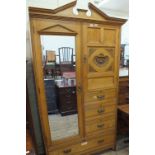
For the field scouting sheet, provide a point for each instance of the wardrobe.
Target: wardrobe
(96, 43)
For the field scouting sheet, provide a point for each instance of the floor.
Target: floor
(122, 148)
(67, 126)
(30, 149)
(124, 151)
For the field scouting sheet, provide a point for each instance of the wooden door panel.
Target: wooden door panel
(109, 37)
(99, 56)
(100, 61)
(100, 83)
(94, 35)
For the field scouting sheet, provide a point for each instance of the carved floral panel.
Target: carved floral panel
(101, 59)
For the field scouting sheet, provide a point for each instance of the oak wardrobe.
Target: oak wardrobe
(85, 82)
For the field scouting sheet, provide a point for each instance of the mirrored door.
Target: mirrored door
(59, 69)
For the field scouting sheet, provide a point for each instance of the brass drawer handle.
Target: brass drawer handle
(100, 110)
(100, 97)
(100, 141)
(67, 151)
(100, 125)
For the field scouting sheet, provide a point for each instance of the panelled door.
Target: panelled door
(100, 61)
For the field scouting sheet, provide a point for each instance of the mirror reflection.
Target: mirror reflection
(59, 67)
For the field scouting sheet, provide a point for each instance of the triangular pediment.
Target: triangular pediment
(55, 29)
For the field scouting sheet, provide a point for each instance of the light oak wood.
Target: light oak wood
(98, 125)
(97, 40)
(95, 109)
(87, 145)
(100, 95)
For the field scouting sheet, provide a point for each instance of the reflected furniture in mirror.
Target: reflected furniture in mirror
(49, 67)
(60, 89)
(66, 59)
(85, 96)
(66, 93)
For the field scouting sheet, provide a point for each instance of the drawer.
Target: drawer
(67, 100)
(105, 102)
(96, 142)
(98, 109)
(99, 125)
(124, 83)
(53, 153)
(100, 95)
(68, 108)
(68, 90)
(104, 117)
(123, 90)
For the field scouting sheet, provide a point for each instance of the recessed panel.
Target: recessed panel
(100, 59)
(109, 37)
(93, 35)
(99, 83)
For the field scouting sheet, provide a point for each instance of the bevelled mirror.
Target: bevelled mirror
(59, 69)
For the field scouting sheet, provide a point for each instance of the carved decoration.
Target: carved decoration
(82, 5)
(100, 60)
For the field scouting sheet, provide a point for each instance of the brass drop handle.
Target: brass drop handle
(100, 97)
(67, 151)
(100, 110)
(100, 125)
(85, 59)
(100, 141)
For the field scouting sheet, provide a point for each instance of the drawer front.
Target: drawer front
(53, 153)
(105, 102)
(99, 125)
(124, 83)
(99, 141)
(100, 95)
(98, 109)
(104, 117)
(67, 100)
(67, 91)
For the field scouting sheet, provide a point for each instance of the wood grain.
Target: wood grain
(99, 32)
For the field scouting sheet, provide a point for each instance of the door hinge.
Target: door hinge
(39, 90)
(85, 59)
(79, 88)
